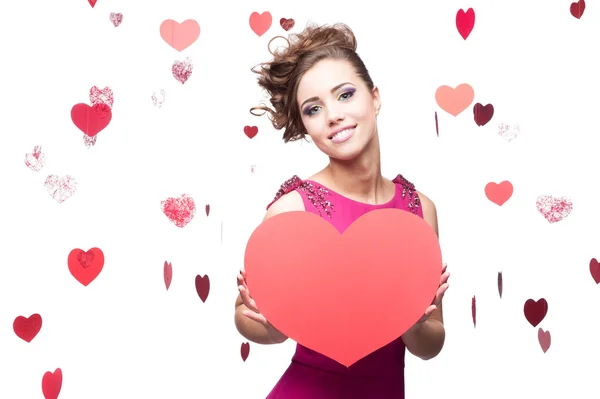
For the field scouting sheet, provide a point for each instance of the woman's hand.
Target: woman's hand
(438, 296)
(253, 313)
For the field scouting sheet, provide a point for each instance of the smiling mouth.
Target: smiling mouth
(342, 132)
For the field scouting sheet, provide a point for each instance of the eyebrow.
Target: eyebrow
(332, 90)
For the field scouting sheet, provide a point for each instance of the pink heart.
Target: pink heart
(60, 188)
(544, 339)
(179, 35)
(260, 23)
(182, 70)
(36, 159)
(116, 18)
(554, 209)
(101, 96)
(180, 210)
(168, 274)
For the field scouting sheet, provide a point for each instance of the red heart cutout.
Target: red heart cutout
(91, 120)
(465, 21)
(287, 24)
(499, 193)
(245, 351)
(260, 23)
(85, 266)
(595, 270)
(535, 311)
(168, 274)
(52, 384)
(544, 339)
(577, 9)
(251, 131)
(344, 295)
(27, 328)
(483, 114)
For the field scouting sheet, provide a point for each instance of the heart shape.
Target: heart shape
(91, 120)
(346, 295)
(509, 131)
(102, 96)
(260, 23)
(179, 35)
(27, 328)
(158, 100)
(250, 131)
(535, 311)
(465, 21)
(287, 24)
(52, 384)
(35, 160)
(483, 114)
(577, 9)
(168, 274)
(182, 70)
(116, 18)
(499, 193)
(202, 287)
(544, 339)
(454, 101)
(554, 209)
(60, 188)
(85, 266)
(245, 351)
(180, 210)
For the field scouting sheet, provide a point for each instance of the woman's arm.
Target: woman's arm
(251, 329)
(426, 340)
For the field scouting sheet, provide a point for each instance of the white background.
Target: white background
(125, 336)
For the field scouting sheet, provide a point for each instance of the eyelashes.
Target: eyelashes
(347, 93)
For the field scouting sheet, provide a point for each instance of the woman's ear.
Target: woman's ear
(376, 100)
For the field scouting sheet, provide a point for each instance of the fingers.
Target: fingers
(247, 299)
(259, 318)
(444, 278)
(430, 310)
(440, 293)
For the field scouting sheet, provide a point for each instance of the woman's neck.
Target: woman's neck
(361, 178)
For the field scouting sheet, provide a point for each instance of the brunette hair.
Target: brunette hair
(281, 76)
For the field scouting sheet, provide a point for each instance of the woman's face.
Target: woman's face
(337, 108)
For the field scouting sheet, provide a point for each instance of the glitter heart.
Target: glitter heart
(60, 188)
(89, 141)
(508, 131)
(158, 100)
(287, 24)
(182, 70)
(101, 96)
(116, 18)
(35, 160)
(180, 210)
(554, 209)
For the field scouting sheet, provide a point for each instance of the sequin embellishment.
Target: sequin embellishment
(316, 195)
(414, 202)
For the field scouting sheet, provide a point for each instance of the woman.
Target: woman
(320, 87)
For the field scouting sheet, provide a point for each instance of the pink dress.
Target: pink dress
(311, 375)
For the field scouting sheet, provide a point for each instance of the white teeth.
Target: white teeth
(343, 133)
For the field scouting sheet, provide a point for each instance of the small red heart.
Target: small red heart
(245, 351)
(577, 9)
(207, 208)
(92, 2)
(85, 266)
(51, 384)
(27, 328)
(535, 311)
(168, 274)
(483, 115)
(499, 193)
(91, 120)
(595, 270)
(202, 287)
(251, 131)
(287, 24)
(465, 22)
(180, 210)
(401, 278)
(544, 339)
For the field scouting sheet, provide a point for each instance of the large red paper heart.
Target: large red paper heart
(86, 266)
(27, 328)
(343, 295)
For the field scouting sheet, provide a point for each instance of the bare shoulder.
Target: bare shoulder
(289, 202)
(429, 211)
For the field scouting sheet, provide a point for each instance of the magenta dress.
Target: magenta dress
(312, 375)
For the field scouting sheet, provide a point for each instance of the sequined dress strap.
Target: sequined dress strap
(316, 198)
(409, 195)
